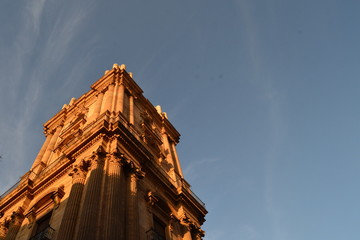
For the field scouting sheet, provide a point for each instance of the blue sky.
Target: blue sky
(264, 93)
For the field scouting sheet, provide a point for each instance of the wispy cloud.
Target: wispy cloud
(278, 129)
(36, 50)
(193, 166)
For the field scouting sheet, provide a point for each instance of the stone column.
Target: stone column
(16, 221)
(131, 109)
(133, 205)
(114, 208)
(90, 210)
(106, 105)
(41, 152)
(68, 222)
(97, 107)
(120, 98)
(51, 145)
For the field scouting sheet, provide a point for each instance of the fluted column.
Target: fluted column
(16, 221)
(106, 105)
(97, 107)
(132, 207)
(120, 98)
(71, 212)
(90, 209)
(51, 145)
(131, 109)
(114, 208)
(42, 151)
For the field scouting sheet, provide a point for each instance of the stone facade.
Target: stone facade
(108, 169)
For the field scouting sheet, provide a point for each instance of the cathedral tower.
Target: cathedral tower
(108, 169)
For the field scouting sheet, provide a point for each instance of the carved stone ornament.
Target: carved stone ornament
(115, 157)
(97, 157)
(133, 168)
(57, 196)
(172, 222)
(151, 199)
(3, 229)
(195, 230)
(80, 170)
(17, 216)
(31, 216)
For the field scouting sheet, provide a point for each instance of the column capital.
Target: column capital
(97, 157)
(17, 216)
(80, 170)
(133, 168)
(115, 157)
(194, 228)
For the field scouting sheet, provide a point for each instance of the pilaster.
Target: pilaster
(131, 102)
(97, 107)
(108, 97)
(120, 98)
(134, 174)
(51, 145)
(42, 151)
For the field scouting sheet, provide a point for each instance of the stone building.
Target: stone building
(108, 169)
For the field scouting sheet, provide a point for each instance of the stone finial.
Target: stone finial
(106, 71)
(115, 65)
(158, 109)
(122, 67)
(64, 106)
(130, 74)
(72, 101)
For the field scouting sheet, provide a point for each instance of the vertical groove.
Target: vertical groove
(68, 222)
(114, 209)
(132, 208)
(89, 215)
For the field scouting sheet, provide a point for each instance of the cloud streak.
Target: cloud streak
(253, 40)
(30, 60)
